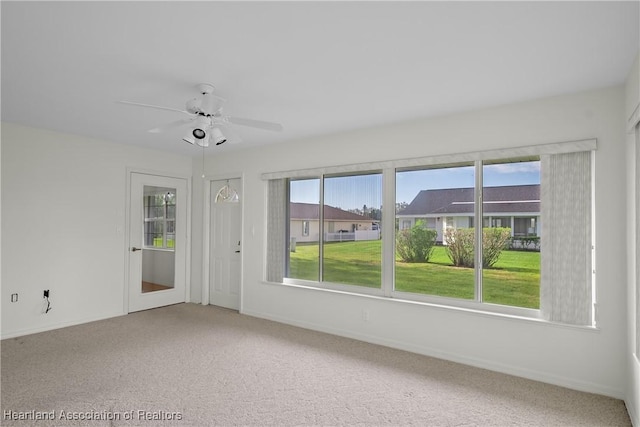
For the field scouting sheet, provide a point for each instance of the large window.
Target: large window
(435, 244)
(505, 230)
(341, 243)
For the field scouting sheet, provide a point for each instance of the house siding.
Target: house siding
(454, 208)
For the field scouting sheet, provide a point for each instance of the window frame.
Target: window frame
(164, 220)
(323, 284)
(388, 170)
(478, 217)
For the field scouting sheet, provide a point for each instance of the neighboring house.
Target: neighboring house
(515, 206)
(338, 224)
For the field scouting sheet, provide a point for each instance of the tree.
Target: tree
(400, 206)
(375, 213)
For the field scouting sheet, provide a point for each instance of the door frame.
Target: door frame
(187, 278)
(206, 234)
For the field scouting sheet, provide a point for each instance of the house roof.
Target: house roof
(310, 211)
(503, 199)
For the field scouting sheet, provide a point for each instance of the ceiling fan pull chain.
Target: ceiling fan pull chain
(203, 162)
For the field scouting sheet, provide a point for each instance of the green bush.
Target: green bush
(494, 241)
(460, 245)
(415, 244)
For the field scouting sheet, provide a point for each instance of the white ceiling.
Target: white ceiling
(314, 67)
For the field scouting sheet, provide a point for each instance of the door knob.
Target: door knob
(135, 249)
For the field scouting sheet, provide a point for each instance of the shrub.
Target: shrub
(494, 241)
(460, 248)
(415, 244)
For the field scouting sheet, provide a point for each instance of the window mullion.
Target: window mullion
(164, 223)
(287, 231)
(388, 230)
(322, 231)
(478, 212)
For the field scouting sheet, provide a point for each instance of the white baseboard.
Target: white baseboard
(633, 399)
(30, 331)
(545, 377)
(633, 414)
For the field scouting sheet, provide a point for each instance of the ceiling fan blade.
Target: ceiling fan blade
(171, 125)
(276, 127)
(157, 107)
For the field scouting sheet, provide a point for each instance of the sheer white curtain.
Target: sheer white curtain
(637, 217)
(276, 233)
(566, 294)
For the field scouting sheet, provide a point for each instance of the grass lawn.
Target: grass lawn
(353, 263)
(514, 279)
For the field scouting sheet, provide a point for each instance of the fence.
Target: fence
(531, 243)
(353, 236)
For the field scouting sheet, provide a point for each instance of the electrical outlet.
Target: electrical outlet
(365, 315)
(14, 297)
(46, 293)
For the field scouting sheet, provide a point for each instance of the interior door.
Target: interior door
(157, 241)
(226, 243)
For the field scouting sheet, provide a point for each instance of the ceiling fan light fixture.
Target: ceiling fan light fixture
(200, 131)
(189, 138)
(217, 136)
(204, 143)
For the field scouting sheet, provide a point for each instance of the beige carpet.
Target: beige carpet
(192, 365)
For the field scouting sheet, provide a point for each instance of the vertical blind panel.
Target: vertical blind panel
(565, 283)
(637, 218)
(276, 221)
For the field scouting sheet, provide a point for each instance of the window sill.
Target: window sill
(441, 303)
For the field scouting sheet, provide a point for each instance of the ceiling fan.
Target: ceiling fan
(207, 123)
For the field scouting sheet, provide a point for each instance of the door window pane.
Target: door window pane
(158, 257)
(159, 217)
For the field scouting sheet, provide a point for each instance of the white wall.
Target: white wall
(63, 201)
(583, 359)
(632, 105)
(63, 223)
